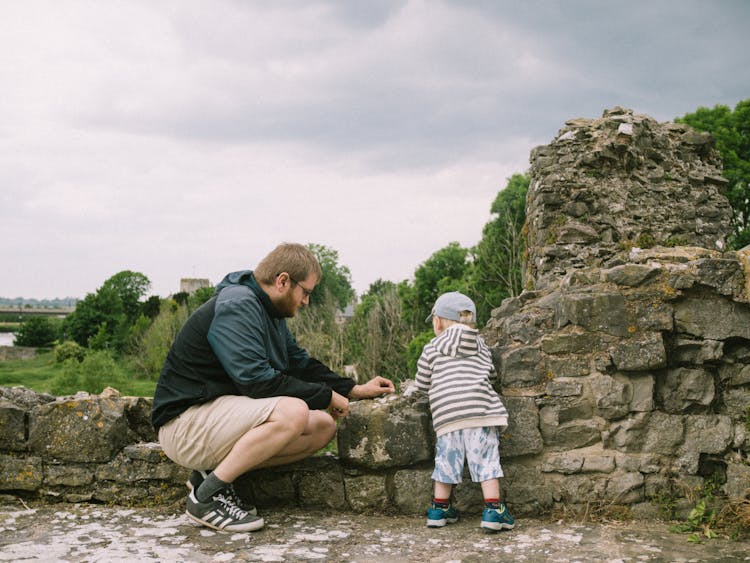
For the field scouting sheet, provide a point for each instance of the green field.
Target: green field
(41, 372)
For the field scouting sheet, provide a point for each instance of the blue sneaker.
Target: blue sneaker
(438, 516)
(496, 519)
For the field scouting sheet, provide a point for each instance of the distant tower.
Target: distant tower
(191, 285)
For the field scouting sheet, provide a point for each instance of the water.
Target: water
(7, 338)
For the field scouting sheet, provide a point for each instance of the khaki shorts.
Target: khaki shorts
(204, 434)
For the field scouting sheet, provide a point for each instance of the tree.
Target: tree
(336, 280)
(377, 335)
(444, 271)
(100, 310)
(315, 326)
(37, 332)
(731, 131)
(498, 257)
(103, 319)
(130, 287)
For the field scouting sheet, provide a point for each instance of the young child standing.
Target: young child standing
(467, 414)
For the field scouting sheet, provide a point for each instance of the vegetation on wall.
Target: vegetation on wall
(731, 132)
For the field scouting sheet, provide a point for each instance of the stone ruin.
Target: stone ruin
(626, 360)
(624, 364)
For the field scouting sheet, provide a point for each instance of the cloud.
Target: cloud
(187, 138)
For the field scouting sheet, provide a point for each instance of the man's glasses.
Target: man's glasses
(308, 292)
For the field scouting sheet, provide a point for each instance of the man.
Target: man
(237, 393)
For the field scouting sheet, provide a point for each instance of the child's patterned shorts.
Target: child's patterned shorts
(478, 446)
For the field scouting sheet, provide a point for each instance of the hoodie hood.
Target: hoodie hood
(241, 277)
(246, 278)
(459, 341)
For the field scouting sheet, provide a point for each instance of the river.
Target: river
(7, 338)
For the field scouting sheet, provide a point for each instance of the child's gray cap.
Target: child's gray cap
(450, 305)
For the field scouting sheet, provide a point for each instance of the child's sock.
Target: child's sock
(492, 503)
(443, 502)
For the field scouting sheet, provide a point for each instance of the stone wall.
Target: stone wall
(627, 358)
(624, 365)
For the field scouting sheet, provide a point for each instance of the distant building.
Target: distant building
(345, 315)
(191, 285)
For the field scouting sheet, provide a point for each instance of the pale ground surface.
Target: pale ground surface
(88, 533)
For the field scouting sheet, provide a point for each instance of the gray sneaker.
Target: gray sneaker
(221, 513)
(198, 476)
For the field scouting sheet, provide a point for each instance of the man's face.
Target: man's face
(297, 294)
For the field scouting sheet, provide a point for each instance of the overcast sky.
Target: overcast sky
(188, 138)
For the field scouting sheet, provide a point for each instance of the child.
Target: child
(467, 414)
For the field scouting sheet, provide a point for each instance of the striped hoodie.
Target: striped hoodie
(454, 370)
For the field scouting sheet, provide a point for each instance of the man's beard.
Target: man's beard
(287, 306)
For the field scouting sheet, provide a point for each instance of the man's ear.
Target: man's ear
(282, 280)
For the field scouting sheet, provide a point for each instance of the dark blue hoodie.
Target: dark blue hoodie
(237, 343)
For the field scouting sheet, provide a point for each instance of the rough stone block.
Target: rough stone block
(625, 488)
(697, 352)
(69, 475)
(631, 275)
(709, 434)
(736, 402)
(567, 366)
(386, 433)
(268, 487)
(20, 473)
(366, 492)
(738, 481)
(12, 426)
(640, 353)
(567, 463)
(683, 388)
(712, 318)
(735, 375)
(600, 312)
(612, 397)
(321, 483)
(522, 436)
(86, 429)
(522, 367)
(412, 490)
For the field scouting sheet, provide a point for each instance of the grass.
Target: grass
(42, 372)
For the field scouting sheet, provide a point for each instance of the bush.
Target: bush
(69, 350)
(152, 342)
(37, 332)
(97, 371)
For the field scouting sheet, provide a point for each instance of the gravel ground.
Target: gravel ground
(87, 533)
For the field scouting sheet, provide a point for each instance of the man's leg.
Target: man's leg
(292, 432)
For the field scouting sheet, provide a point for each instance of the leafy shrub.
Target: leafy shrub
(38, 332)
(151, 342)
(69, 350)
(97, 371)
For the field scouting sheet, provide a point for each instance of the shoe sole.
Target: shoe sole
(253, 510)
(253, 526)
(440, 523)
(497, 526)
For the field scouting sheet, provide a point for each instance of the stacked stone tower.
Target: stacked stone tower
(626, 361)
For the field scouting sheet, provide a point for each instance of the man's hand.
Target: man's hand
(339, 406)
(376, 387)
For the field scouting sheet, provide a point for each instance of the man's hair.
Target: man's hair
(464, 317)
(295, 259)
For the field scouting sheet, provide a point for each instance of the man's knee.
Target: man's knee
(323, 425)
(292, 412)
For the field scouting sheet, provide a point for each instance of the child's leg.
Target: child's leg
(449, 460)
(442, 492)
(491, 490)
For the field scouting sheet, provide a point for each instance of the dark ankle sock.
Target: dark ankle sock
(210, 486)
(442, 501)
(492, 503)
